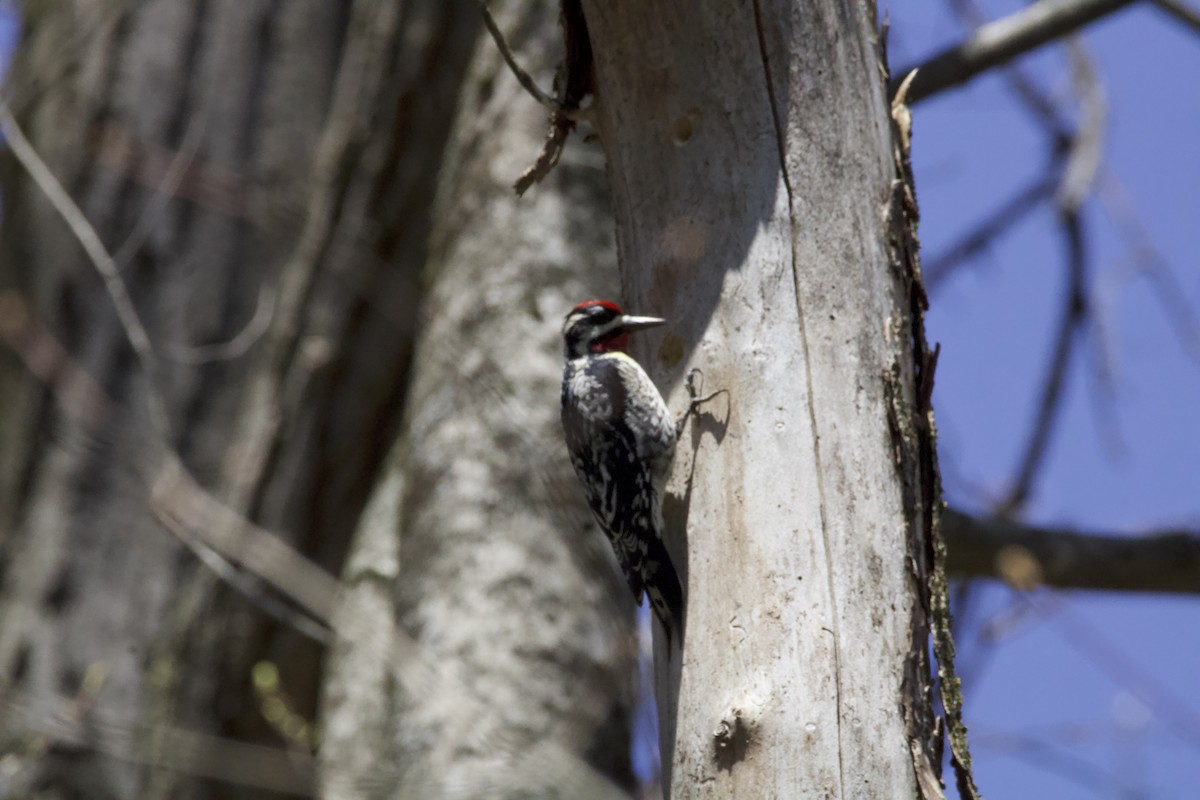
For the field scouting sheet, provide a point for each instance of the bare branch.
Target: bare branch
(247, 584)
(190, 512)
(1086, 144)
(1003, 40)
(236, 346)
(72, 722)
(1150, 263)
(1074, 312)
(573, 84)
(1024, 202)
(167, 189)
(71, 214)
(1165, 561)
(1082, 164)
(1114, 660)
(1182, 12)
(221, 537)
(1043, 107)
(80, 396)
(1050, 756)
(524, 78)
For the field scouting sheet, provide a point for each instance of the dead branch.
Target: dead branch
(1003, 40)
(215, 527)
(1044, 108)
(1082, 163)
(1149, 262)
(524, 78)
(1073, 315)
(1182, 12)
(1086, 144)
(938, 268)
(83, 231)
(64, 721)
(1025, 555)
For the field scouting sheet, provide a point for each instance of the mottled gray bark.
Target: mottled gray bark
(501, 577)
(236, 155)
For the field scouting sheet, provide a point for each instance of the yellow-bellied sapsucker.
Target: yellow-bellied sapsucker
(621, 439)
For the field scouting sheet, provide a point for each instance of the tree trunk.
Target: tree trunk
(260, 171)
(752, 162)
(502, 580)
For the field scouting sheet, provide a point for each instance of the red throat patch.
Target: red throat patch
(614, 342)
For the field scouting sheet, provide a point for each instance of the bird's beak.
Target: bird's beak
(631, 323)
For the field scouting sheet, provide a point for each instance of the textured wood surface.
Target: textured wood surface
(751, 161)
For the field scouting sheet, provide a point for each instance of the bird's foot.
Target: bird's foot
(695, 400)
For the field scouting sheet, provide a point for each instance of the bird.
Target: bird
(621, 439)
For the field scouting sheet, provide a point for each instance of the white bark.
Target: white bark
(751, 159)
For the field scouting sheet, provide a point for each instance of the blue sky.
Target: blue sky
(1082, 695)
(8, 33)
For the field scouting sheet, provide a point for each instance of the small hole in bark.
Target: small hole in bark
(69, 681)
(61, 593)
(683, 130)
(20, 666)
(731, 739)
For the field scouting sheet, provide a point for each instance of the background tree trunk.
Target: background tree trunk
(751, 158)
(234, 156)
(501, 577)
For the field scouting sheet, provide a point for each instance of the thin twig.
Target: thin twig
(186, 509)
(232, 348)
(1001, 41)
(170, 173)
(246, 583)
(183, 506)
(1024, 202)
(1103, 379)
(1152, 264)
(71, 214)
(166, 190)
(138, 338)
(1074, 312)
(573, 84)
(1086, 146)
(1050, 757)
(1083, 163)
(1172, 708)
(525, 79)
(63, 721)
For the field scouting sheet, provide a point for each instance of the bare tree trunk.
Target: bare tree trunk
(260, 170)
(753, 169)
(501, 578)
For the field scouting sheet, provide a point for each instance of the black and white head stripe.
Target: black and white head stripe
(587, 322)
(595, 319)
